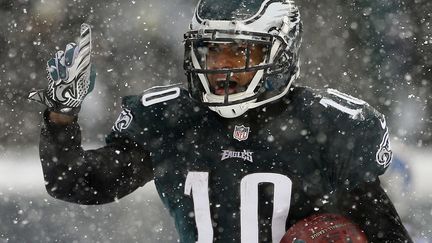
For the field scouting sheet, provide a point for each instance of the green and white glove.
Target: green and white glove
(71, 77)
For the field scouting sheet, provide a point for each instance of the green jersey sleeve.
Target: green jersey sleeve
(148, 118)
(358, 144)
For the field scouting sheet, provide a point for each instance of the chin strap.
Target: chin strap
(232, 111)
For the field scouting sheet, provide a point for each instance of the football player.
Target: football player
(239, 156)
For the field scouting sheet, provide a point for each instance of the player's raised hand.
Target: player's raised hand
(70, 77)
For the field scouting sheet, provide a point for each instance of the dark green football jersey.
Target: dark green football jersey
(249, 178)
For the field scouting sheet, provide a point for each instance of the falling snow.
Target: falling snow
(379, 51)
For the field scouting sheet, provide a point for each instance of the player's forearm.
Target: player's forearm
(89, 177)
(61, 153)
(61, 119)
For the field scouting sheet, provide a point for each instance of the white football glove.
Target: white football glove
(70, 77)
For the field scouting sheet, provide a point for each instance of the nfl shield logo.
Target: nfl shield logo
(241, 133)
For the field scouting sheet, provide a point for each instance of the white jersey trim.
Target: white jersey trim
(160, 96)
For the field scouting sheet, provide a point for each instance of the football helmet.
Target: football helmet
(273, 25)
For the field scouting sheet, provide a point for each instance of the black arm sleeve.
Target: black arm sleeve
(370, 208)
(93, 176)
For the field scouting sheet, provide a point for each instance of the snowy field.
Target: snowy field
(29, 214)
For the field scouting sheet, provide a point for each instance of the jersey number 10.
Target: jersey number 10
(197, 184)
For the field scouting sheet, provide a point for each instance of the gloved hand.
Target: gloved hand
(70, 77)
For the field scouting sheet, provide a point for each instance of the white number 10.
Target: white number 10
(197, 183)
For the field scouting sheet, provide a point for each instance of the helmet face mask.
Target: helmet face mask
(270, 75)
(233, 65)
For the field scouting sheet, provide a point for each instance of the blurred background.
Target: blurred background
(379, 51)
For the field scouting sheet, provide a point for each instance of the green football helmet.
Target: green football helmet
(272, 24)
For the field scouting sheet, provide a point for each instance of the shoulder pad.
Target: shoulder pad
(359, 144)
(133, 105)
(144, 115)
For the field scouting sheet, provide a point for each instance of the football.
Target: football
(324, 228)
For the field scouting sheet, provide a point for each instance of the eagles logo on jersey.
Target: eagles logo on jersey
(123, 121)
(384, 155)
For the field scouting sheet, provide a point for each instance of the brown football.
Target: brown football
(324, 228)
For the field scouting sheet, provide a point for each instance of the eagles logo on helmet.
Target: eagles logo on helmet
(272, 24)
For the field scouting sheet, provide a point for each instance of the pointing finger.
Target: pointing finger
(85, 40)
(84, 44)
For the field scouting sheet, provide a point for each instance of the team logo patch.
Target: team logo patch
(241, 133)
(245, 155)
(384, 154)
(123, 121)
